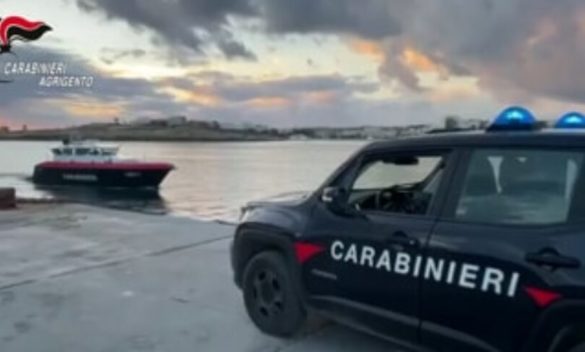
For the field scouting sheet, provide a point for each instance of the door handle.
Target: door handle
(553, 259)
(402, 239)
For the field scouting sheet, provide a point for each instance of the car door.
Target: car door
(368, 273)
(495, 265)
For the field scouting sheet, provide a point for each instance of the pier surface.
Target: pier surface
(81, 278)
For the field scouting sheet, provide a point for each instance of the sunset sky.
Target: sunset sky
(299, 62)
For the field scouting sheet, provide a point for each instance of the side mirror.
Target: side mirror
(332, 196)
(335, 198)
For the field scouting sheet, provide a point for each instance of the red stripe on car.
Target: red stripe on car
(541, 297)
(306, 251)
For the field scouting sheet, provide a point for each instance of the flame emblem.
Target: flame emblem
(19, 28)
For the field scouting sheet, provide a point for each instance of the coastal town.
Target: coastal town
(181, 128)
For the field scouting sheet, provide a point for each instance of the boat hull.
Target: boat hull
(112, 175)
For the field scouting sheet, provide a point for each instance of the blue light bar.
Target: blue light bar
(514, 118)
(571, 120)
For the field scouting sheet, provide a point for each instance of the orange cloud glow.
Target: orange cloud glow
(89, 108)
(418, 61)
(453, 93)
(369, 48)
(268, 102)
(320, 97)
(203, 97)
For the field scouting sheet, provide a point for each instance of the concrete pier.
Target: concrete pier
(79, 278)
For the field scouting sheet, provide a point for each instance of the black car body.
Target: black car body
(481, 249)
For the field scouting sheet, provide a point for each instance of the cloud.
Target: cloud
(368, 48)
(232, 90)
(233, 49)
(528, 48)
(26, 102)
(111, 55)
(288, 101)
(210, 95)
(373, 19)
(517, 49)
(190, 24)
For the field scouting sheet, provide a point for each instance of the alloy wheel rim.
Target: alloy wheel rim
(267, 294)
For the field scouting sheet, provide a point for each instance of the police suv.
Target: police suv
(447, 242)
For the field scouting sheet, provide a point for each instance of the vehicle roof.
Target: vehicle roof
(541, 138)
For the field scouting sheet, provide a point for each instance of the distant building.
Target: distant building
(459, 123)
(244, 127)
(4, 129)
(169, 121)
(176, 120)
(140, 121)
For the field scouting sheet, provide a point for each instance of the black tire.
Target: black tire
(578, 348)
(270, 297)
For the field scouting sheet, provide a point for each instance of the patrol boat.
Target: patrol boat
(88, 163)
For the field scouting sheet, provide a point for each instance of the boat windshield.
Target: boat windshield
(109, 152)
(85, 151)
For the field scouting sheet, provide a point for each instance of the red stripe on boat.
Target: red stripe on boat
(131, 166)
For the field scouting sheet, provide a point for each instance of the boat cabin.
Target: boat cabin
(85, 152)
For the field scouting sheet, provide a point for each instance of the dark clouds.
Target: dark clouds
(187, 23)
(531, 47)
(195, 23)
(111, 55)
(367, 18)
(525, 48)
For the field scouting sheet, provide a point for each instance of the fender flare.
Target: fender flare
(559, 328)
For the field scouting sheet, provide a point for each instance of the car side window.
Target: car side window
(519, 186)
(397, 183)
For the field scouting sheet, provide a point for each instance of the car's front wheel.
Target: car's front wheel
(269, 295)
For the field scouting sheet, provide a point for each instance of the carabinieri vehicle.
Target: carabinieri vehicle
(447, 242)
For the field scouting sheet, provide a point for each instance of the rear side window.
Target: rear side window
(516, 186)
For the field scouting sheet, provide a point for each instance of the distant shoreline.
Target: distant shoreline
(192, 131)
(183, 130)
(133, 139)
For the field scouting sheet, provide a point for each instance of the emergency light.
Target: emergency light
(514, 118)
(571, 120)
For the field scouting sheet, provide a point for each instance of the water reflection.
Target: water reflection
(212, 180)
(144, 200)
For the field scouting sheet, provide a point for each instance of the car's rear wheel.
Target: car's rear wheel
(269, 295)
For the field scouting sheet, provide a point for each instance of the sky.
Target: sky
(291, 63)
